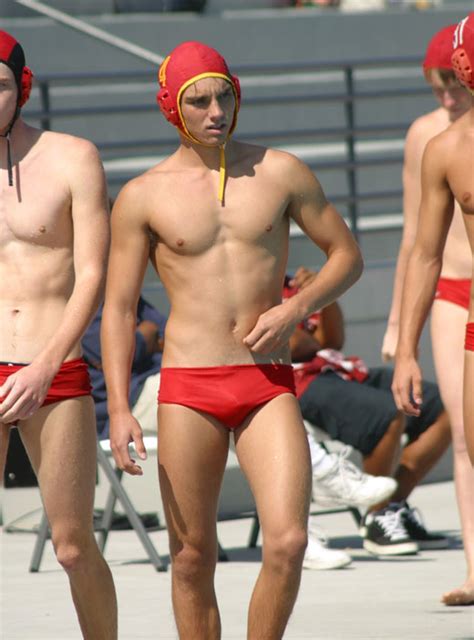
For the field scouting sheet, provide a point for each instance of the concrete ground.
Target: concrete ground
(372, 599)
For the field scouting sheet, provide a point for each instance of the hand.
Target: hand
(303, 277)
(407, 386)
(124, 429)
(24, 392)
(390, 341)
(272, 330)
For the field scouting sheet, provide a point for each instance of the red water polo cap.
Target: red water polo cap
(440, 49)
(463, 57)
(12, 54)
(187, 63)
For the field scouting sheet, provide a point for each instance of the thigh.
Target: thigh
(273, 452)
(4, 440)
(469, 402)
(448, 328)
(60, 440)
(192, 454)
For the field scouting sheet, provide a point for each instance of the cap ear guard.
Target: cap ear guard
(167, 106)
(26, 82)
(236, 83)
(463, 68)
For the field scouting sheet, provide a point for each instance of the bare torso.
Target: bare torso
(36, 248)
(222, 266)
(457, 255)
(459, 163)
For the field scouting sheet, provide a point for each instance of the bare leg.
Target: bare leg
(383, 458)
(421, 455)
(448, 352)
(273, 453)
(192, 454)
(468, 403)
(61, 442)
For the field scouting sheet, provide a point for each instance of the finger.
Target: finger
(124, 461)
(12, 407)
(28, 409)
(5, 392)
(418, 391)
(139, 444)
(253, 337)
(132, 468)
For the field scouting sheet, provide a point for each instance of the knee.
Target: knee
(72, 552)
(192, 563)
(286, 550)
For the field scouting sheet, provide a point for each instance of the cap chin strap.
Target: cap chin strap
(7, 137)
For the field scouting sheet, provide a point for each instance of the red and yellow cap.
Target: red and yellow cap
(463, 56)
(187, 63)
(440, 49)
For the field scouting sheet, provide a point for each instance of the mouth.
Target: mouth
(216, 128)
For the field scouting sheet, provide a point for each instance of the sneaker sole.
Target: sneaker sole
(316, 565)
(402, 549)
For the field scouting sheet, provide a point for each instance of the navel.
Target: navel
(269, 227)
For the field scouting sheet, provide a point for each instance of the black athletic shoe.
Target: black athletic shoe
(385, 533)
(417, 531)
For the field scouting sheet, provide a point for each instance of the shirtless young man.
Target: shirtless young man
(53, 248)
(452, 295)
(447, 177)
(214, 217)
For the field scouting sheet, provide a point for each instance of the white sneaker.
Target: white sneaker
(344, 484)
(318, 556)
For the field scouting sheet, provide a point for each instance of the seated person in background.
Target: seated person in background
(354, 404)
(146, 368)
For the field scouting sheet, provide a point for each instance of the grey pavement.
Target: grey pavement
(372, 599)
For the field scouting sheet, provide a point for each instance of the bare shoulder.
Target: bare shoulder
(289, 169)
(71, 147)
(426, 127)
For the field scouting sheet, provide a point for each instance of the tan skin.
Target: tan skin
(447, 176)
(447, 346)
(223, 270)
(53, 247)
(418, 457)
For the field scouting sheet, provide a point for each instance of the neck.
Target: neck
(195, 154)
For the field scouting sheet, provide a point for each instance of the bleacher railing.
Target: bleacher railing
(350, 95)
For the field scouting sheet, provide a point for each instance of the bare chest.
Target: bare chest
(34, 212)
(194, 220)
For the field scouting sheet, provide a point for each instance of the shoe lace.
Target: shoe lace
(414, 518)
(392, 523)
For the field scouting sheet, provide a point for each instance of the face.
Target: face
(208, 108)
(8, 96)
(450, 94)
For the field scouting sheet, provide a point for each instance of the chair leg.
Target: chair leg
(41, 537)
(107, 516)
(129, 509)
(254, 533)
(356, 515)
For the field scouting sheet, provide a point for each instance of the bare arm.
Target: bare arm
(414, 146)
(27, 389)
(128, 255)
(322, 224)
(424, 267)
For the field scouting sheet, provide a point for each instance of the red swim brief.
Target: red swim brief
(469, 344)
(454, 290)
(228, 393)
(71, 381)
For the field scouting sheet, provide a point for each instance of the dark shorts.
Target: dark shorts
(359, 413)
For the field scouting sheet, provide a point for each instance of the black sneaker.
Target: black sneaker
(385, 533)
(417, 531)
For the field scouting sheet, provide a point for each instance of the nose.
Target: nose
(215, 109)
